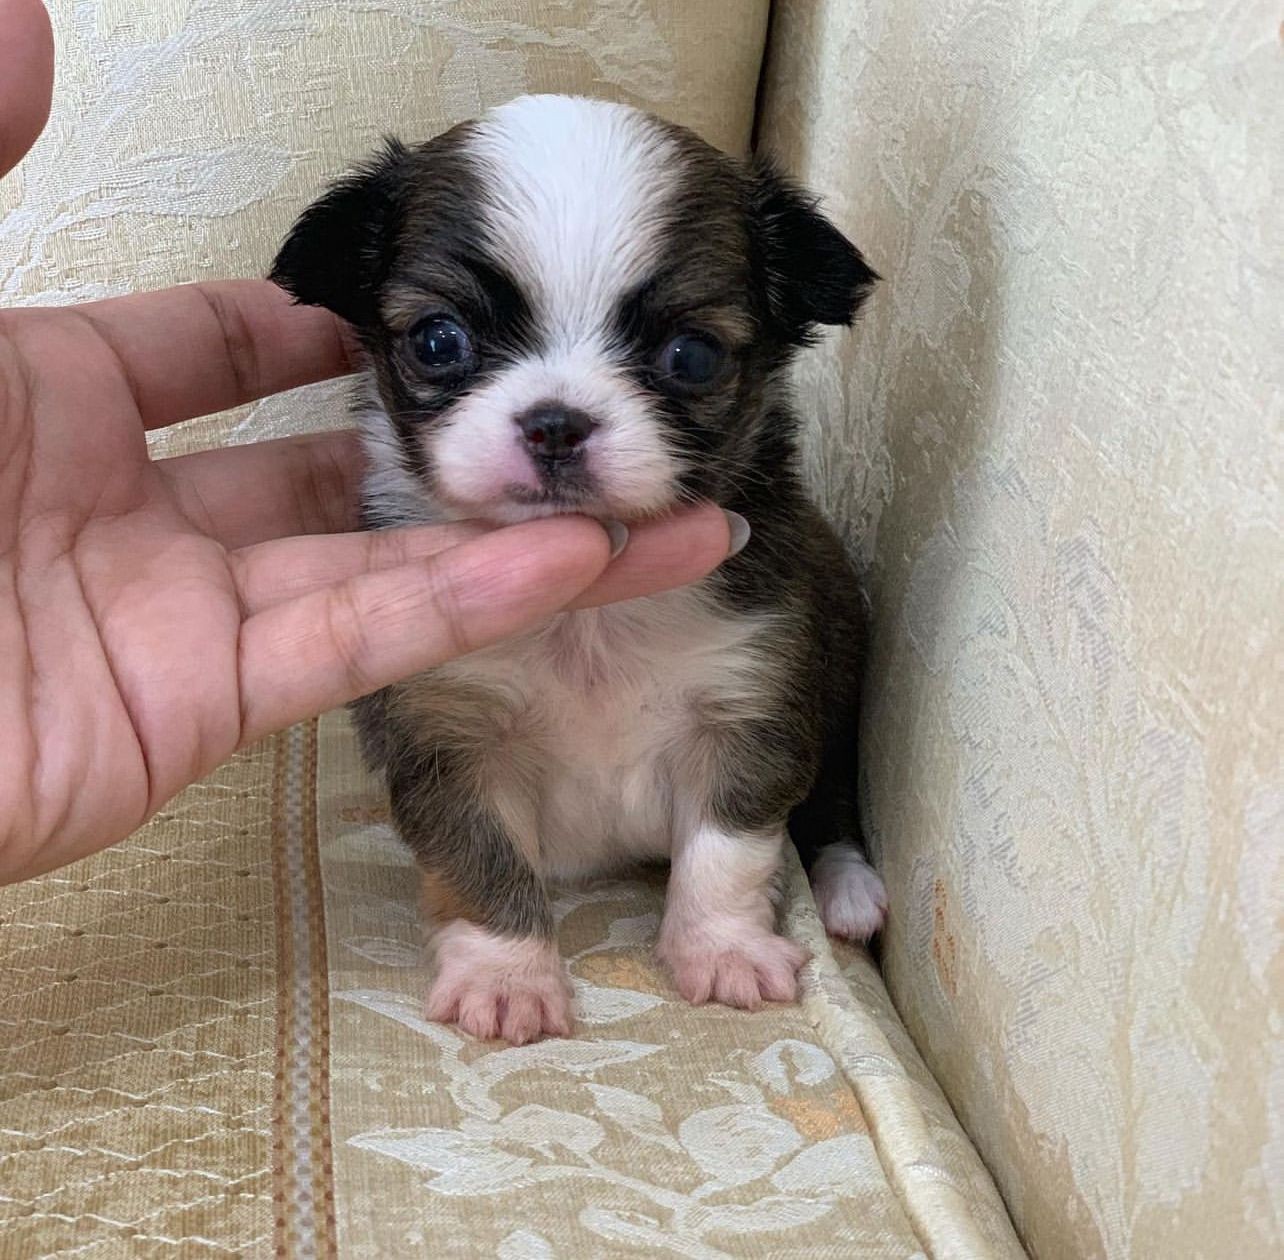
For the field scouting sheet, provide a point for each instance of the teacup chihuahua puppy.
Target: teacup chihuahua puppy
(569, 305)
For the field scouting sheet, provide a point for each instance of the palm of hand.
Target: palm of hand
(121, 621)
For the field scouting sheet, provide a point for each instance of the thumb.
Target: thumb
(26, 77)
(327, 647)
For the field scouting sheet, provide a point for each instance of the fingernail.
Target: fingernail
(618, 533)
(740, 531)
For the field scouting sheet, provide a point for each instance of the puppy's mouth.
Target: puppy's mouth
(580, 496)
(565, 497)
(558, 491)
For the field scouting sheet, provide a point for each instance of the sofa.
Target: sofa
(1053, 445)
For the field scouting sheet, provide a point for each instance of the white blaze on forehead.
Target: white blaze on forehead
(574, 203)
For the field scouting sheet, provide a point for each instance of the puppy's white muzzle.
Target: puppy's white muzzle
(485, 463)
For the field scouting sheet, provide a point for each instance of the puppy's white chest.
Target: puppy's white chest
(609, 704)
(606, 778)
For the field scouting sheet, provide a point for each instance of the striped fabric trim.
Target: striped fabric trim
(302, 1172)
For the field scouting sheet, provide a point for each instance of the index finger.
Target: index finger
(332, 645)
(200, 348)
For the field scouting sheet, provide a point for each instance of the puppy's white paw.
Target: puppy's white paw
(491, 987)
(849, 893)
(746, 972)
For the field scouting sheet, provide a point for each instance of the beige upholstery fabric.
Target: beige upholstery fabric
(210, 1040)
(808, 1130)
(211, 1043)
(1056, 438)
(138, 1043)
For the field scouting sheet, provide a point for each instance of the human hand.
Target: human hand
(156, 615)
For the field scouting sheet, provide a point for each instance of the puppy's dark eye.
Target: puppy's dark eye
(440, 345)
(690, 360)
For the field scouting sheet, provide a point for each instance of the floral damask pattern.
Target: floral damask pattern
(659, 1127)
(683, 1132)
(1055, 440)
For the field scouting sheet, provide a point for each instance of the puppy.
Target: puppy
(572, 306)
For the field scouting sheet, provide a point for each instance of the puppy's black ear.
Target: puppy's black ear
(338, 253)
(809, 271)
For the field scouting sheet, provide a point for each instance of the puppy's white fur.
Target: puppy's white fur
(574, 199)
(718, 935)
(495, 987)
(479, 454)
(389, 489)
(849, 893)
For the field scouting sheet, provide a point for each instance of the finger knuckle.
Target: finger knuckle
(348, 636)
(239, 346)
(447, 610)
(387, 548)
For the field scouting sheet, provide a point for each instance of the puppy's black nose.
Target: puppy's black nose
(554, 433)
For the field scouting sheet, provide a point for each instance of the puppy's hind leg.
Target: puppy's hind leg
(849, 892)
(825, 828)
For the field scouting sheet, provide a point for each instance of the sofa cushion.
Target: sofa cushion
(212, 1041)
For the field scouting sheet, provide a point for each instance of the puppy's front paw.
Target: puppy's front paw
(758, 967)
(495, 987)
